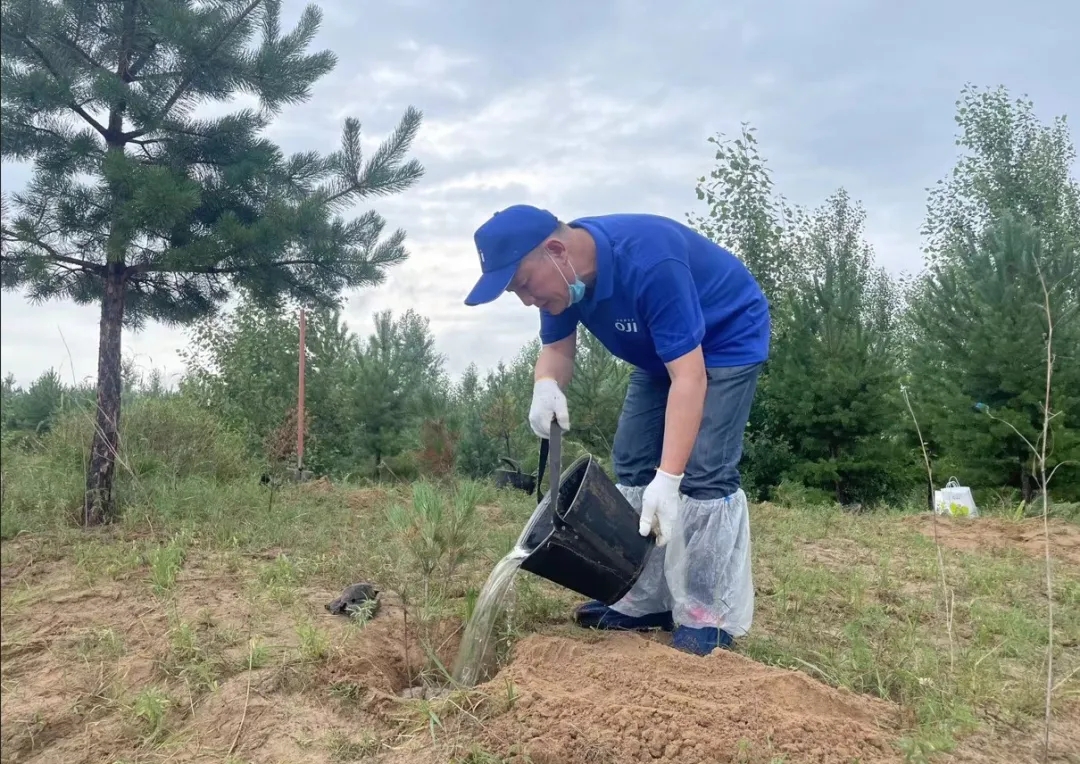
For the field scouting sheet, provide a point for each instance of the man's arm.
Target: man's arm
(559, 337)
(672, 312)
(556, 360)
(686, 402)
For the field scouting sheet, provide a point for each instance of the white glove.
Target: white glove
(660, 506)
(548, 402)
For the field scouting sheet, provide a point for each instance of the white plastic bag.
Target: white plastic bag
(955, 500)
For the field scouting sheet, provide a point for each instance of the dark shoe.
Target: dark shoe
(700, 641)
(597, 615)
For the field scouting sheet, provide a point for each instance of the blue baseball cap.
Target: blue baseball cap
(502, 242)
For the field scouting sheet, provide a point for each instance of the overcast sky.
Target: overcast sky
(605, 106)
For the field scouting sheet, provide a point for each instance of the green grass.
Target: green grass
(873, 619)
(852, 600)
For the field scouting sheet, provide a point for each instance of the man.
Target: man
(693, 322)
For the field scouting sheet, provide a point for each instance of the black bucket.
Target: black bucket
(514, 477)
(587, 539)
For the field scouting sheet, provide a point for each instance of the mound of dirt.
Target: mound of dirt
(630, 699)
(984, 534)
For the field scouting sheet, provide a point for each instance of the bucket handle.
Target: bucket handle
(511, 463)
(550, 452)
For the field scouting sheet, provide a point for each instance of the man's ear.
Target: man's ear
(555, 248)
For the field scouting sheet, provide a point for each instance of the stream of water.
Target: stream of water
(476, 656)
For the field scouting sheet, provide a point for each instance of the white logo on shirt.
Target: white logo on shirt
(626, 325)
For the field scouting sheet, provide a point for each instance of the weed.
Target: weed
(258, 654)
(195, 659)
(149, 708)
(314, 644)
(342, 747)
(363, 612)
(165, 563)
(279, 580)
(96, 560)
(477, 755)
(853, 601)
(347, 691)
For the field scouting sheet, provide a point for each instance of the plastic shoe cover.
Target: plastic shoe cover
(700, 641)
(649, 595)
(597, 615)
(707, 565)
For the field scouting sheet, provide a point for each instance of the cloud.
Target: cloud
(591, 108)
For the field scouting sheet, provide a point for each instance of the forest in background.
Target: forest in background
(963, 341)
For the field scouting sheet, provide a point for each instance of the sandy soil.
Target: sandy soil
(983, 534)
(629, 699)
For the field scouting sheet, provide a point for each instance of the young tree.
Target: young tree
(501, 416)
(980, 338)
(243, 366)
(140, 205)
(389, 384)
(36, 408)
(743, 214)
(1009, 210)
(833, 375)
(1012, 165)
(477, 452)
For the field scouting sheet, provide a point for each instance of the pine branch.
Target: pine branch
(185, 83)
(214, 270)
(70, 44)
(380, 175)
(56, 75)
(51, 253)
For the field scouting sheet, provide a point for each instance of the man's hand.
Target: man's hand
(548, 402)
(660, 506)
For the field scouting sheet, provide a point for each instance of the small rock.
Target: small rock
(422, 692)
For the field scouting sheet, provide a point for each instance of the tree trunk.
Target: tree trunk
(99, 504)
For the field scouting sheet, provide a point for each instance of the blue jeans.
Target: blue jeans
(712, 470)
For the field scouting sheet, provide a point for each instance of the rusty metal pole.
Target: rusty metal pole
(300, 400)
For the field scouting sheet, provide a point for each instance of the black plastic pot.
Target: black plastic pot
(584, 533)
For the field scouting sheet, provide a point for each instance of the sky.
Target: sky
(598, 107)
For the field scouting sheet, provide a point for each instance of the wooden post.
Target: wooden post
(300, 400)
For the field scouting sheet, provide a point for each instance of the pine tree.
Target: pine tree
(243, 367)
(137, 204)
(392, 372)
(1009, 210)
(833, 375)
(980, 331)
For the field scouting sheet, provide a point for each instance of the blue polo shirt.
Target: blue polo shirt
(662, 289)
